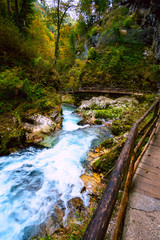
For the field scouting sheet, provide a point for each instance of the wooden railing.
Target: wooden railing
(108, 90)
(127, 162)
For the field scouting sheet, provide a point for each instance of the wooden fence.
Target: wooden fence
(127, 162)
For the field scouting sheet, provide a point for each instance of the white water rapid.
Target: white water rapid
(32, 180)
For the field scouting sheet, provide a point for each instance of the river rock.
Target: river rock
(91, 182)
(11, 136)
(75, 203)
(88, 108)
(52, 223)
(104, 102)
(96, 102)
(38, 125)
(125, 102)
(53, 115)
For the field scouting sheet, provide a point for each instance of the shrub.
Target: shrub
(108, 113)
(92, 53)
(98, 122)
(9, 80)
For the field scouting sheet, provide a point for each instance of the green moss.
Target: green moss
(12, 140)
(108, 160)
(107, 143)
(68, 99)
(123, 124)
(108, 113)
(98, 122)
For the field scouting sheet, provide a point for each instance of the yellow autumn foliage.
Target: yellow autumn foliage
(43, 39)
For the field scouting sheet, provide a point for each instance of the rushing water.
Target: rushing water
(32, 180)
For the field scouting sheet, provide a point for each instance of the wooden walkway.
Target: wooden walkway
(107, 91)
(142, 219)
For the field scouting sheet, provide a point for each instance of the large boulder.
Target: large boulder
(91, 182)
(96, 102)
(37, 126)
(104, 102)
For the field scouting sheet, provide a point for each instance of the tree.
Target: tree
(92, 10)
(26, 14)
(59, 16)
(101, 6)
(19, 11)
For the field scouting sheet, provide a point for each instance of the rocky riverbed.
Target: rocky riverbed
(118, 115)
(27, 129)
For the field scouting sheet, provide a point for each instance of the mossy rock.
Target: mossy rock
(122, 125)
(108, 143)
(12, 140)
(117, 127)
(107, 161)
(98, 122)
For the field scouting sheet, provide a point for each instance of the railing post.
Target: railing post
(156, 111)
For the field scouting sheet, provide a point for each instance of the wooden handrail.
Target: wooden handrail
(100, 220)
(108, 90)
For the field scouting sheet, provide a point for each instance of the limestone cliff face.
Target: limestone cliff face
(150, 9)
(157, 40)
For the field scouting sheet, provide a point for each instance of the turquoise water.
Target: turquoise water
(32, 180)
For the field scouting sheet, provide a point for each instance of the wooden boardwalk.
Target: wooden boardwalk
(147, 176)
(142, 219)
(107, 91)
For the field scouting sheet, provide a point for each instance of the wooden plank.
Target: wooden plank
(152, 154)
(154, 148)
(151, 168)
(155, 143)
(153, 178)
(147, 186)
(153, 161)
(146, 193)
(156, 138)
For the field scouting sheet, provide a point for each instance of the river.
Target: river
(32, 180)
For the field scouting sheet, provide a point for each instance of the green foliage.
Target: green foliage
(128, 22)
(45, 238)
(92, 53)
(108, 113)
(3, 9)
(15, 50)
(72, 40)
(122, 125)
(107, 143)
(98, 122)
(81, 26)
(146, 98)
(74, 74)
(93, 31)
(20, 12)
(108, 160)
(68, 99)
(9, 81)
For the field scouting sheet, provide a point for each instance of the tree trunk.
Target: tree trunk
(58, 34)
(8, 8)
(16, 12)
(23, 13)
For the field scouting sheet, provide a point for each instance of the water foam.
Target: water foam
(33, 180)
